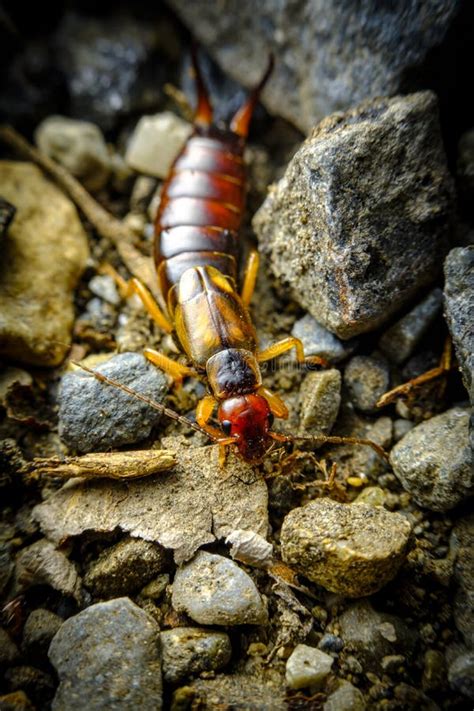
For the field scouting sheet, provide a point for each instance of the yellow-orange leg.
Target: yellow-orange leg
(250, 277)
(135, 286)
(276, 404)
(204, 410)
(177, 370)
(285, 345)
(405, 388)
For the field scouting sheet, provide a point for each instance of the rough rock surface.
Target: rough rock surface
(349, 549)
(401, 339)
(240, 691)
(330, 55)
(156, 142)
(108, 656)
(462, 547)
(360, 221)
(43, 255)
(214, 590)
(190, 650)
(96, 417)
(461, 674)
(346, 698)
(42, 564)
(125, 567)
(459, 309)
(434, 461)
(320, 398)
(372, 635)
(77, 145)
(183, 509)
(367, 379)
(307, 667)
(39, 630)
(317, 340)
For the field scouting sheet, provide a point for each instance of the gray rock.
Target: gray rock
(124, 568)
(329, 55)
(189, 650)
(366, 379)
(39, 630)
(104, 287)
(434, 671)
(401, 427)
(236, 691)
(465, 167)
(346, 698)
(6, 563)
(459, 307)
(79, 146)
(330, 643)
(389, 152)
(156, 142)
(156, 587)
(38, 685)
(401, 339)
(317, 340)
(96, 417)
(372, 496)
(108, 656)
(110, 65)
(307, 667)
(350, 549)
(213, 590)
(462, 549)
(36, 328)
(461, 674)
(433, 462)
(250, 548)
(42, 564)
(8, 650)
(371, 635)
(319, 401)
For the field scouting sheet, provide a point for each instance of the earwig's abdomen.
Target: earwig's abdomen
(201, 208)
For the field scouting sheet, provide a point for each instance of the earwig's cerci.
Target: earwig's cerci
(196, 255)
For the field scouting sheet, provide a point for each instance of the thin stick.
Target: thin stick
(105, 223)
(107, 465)
(155, 405)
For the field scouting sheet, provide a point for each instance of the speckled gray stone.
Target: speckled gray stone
(366, 379)
(108, 657)
(462, 549)
(380, 167)
(214, 590)
(349, 549)
(42, 564)
(320, 398)
(317, 340)
(461, 674)
(8, 650)
(39, 630)
(433, 461)
(459, 309)
(346, 698)
(307, 667)
(95, 417)
(401, 339)
(190, 650)
(124, 568)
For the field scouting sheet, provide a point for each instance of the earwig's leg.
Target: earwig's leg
(406, 388)
(204, 410)
(177, 370)
(135, 286)
(251, 270)
(276, 404)
(286, 344)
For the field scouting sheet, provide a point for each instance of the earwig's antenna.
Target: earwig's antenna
(323, 439)
(155, 405)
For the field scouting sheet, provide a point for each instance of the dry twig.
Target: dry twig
(107, 465)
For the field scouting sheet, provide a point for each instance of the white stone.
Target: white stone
(307, 666)
(155, 143)
(250, 548)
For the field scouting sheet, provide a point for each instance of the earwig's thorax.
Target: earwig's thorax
(233, 371)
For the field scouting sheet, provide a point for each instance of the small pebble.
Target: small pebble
(36, 683)
(107, 657)
(156, 142)
(346, 698)
(97, 417)
(372, 635)
(319, 401)
(461, 674)
(250, 548)
(434, 671)
(79, 146)
(317, 340)
(401, 339)
(39, 630)
(42, 564)
(16, 701)
(105, 288)
(401, 427)
(124, 568)
(366, 379)
(307, 667)
(433, 462)
(372, 496)
(462, 550)
(349, 549)
(188, 650)
(213, 590)
(155, 588)
(8, 649)
(330, 643)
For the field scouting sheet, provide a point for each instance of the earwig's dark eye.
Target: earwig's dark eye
(226, 426)
(271, 419)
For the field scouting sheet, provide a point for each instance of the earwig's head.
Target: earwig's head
(248, 419)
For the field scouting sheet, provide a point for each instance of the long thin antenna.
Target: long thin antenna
(155, 405)
(323, 439)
